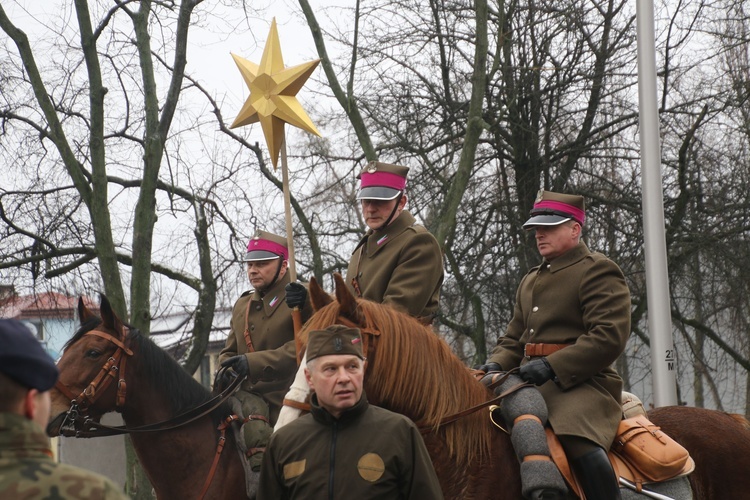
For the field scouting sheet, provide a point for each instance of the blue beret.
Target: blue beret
(23, 358)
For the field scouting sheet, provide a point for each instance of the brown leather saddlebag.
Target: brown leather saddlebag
(654, 454)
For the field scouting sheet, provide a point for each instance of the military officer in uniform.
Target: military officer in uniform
(27, 469)
(345, 448)
(397, 262)
(571, 322)
(261, 338)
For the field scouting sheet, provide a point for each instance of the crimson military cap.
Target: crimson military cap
(266, 246)
(552, 209)
(381, 181)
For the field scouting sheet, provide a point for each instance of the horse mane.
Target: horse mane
(180, 391)
(412, 371)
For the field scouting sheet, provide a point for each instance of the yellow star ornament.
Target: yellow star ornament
(273, 88)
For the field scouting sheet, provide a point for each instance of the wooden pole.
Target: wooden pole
(288, 210)
(296, 313)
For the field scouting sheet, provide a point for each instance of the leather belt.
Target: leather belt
(536, 350)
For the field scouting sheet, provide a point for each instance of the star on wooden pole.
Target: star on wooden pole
(273, 102)
(273, 90)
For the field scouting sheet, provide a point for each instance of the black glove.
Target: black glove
(239, 365)
(537, 371)
(488, 367)
(296, 293)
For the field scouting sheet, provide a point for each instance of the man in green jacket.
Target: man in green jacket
(397, 262)
(27, 470)
(261, 338)
(571, 322)
(345, 448)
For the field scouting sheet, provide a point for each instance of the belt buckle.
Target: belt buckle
(524, 352)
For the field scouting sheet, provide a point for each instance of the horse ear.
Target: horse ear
(318, 297)
(84, 313)
(347, 300)
(109, 318)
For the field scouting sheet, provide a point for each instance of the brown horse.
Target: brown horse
(412, 371)
(155, 389)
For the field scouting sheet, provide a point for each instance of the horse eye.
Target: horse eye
(92, 353)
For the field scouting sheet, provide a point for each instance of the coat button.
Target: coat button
(531, 331)
(258, 307)
(535, 309)
(252, 328)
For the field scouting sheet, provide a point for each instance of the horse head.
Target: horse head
(92, 369)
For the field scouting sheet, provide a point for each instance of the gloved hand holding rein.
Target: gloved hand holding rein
(238, 367)
(537, 371)
(488, 367)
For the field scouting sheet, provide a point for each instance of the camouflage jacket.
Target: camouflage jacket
(27, 470)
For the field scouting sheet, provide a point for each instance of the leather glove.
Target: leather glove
(537, 371)
(489, 367)
(296, 293)
(239, 365)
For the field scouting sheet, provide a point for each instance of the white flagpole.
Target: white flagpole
(657, 280)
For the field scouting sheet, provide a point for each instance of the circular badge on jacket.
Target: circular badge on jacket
(371, 467)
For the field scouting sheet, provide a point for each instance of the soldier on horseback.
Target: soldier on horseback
(261, 339)
(397, 262)
(570, 323)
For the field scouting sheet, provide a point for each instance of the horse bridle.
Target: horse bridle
(77, 421)
(113, 368)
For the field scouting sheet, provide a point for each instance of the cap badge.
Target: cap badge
(539, 196)
(338, 346)
(372, 167)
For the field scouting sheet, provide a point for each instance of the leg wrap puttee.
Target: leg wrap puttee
(526, 411)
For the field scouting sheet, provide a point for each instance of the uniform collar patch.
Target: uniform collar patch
(273, 301)
(382, 239)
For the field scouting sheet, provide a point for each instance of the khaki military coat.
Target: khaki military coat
(400, 265)
(274, 362)
(580, 298)
(368, 453)
(27, 470)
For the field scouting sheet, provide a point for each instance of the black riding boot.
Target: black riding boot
(596, 477)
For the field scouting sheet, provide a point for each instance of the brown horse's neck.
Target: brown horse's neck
(497, 476)
(177, 461)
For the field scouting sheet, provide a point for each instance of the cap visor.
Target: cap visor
(259, 255)
(377, 193)
(545, 220)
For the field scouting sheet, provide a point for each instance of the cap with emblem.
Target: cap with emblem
(266, 246)
(381, 181)
(552, 209)
(23, 358)
(336, 339)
